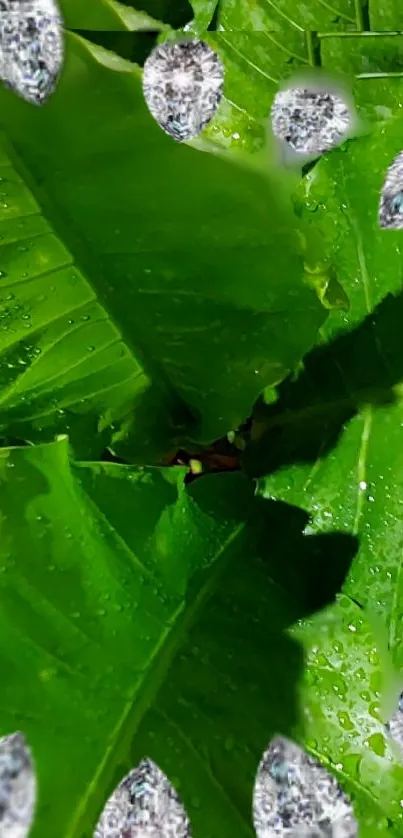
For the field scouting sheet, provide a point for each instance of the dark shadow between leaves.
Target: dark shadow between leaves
(232, 684)
(359, 367)
(175, 14)
(133, 46)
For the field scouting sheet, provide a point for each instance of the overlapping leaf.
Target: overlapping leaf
(195, 260)
(334, 437)
(140, 617)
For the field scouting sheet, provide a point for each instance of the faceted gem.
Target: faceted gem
(31, 47)
(182, 84)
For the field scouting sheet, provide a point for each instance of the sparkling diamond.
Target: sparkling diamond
(31, 47)
(391, 203)
(17, 787)
(144, 805)
(310, 121)
(296, 797)
(182, 84)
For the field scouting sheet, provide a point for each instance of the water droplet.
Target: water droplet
(377, 743)
(345, 721)
(3, 274)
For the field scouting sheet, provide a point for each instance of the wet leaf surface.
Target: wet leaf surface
(152, 616)
(331, 444)
(168, 333)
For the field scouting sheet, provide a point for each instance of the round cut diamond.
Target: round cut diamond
(310, 121)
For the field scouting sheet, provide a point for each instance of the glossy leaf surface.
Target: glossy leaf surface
(332, 443)
(194, 260)
(151, 616)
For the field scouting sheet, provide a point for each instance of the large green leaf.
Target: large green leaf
(140, 617)
(195, 258)
(333, 438)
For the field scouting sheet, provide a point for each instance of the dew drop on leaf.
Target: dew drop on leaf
(144, 805)
(391, 203)
(296, 797)
(311, 121)
(182, 84)
(17, 787)
(31, 47)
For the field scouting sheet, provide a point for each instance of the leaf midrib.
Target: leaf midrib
(134, 711)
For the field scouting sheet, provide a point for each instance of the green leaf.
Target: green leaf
(140, 617)
(193, 275)
(114, 15)
(254, 64)
(287, 17)
(376, 61)
(386, 15)
(203, 14)
(264, 44)
(331, 444)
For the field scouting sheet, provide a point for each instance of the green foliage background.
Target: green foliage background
(154, 297)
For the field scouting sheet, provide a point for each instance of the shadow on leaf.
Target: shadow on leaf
(360, 367)
(232, 684)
